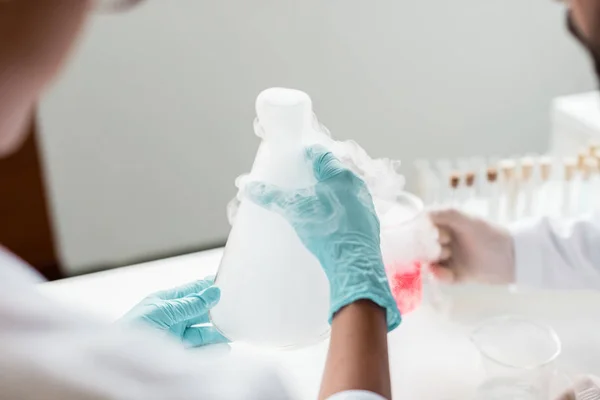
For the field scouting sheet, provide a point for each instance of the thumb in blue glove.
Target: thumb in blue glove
(178, 310)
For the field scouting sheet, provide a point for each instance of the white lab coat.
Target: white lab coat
(51, 353)
(48, 352)
(558, 254)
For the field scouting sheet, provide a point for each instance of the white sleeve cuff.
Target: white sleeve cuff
(356, 395)
(528, 241)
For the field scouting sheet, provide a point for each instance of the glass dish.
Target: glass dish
(407, 242)
(518, 356)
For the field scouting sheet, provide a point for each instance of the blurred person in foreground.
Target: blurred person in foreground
(548, 253)
(50, 352)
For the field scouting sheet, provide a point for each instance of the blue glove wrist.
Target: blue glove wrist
(361, 268)
(393, 317)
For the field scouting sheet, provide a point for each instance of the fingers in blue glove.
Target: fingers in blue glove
(192, 306)
(203, 319)
(202, 336)
(185, 290)
(325, 164)
(299, 207)
(274, 198)
(316, 204)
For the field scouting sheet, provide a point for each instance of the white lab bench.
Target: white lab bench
(431, 357)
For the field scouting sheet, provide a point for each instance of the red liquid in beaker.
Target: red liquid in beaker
(405, 282)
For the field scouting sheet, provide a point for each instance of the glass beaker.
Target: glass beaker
(518, 357)
(406, 240)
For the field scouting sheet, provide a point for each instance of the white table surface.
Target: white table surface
(431, 357)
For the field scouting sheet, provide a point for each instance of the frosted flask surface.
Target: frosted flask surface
(273, 290)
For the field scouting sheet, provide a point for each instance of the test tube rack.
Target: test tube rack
(515, 188)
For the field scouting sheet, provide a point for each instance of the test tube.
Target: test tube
(420, 168)
(509, 189)
(594, 184)
(454, 198)
(443, 170)
(583, 195)
(425, 181)
(443, 165)
(470, 182)
(527, 185)
(569, 186)
(493, 194)
(463, 164)
(581, 157)
(594, 149)
(544, 205)
(473, 203)
(545, 168)
(478, 165)
(588, 184)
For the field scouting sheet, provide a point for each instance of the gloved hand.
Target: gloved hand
(336, 221)
(472, 249)
(587, 388)
(177, 310)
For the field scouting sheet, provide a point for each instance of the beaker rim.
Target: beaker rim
(419, 207)
(551, 333)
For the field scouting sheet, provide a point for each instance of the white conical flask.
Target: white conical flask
(273, 290)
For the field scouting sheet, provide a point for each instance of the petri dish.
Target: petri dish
(518, 355)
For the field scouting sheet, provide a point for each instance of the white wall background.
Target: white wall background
(152, 121)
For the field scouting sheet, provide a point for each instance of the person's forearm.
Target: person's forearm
(358, 353)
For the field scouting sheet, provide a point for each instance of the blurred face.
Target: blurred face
(586, 18)
(584, 23)
(35, 39)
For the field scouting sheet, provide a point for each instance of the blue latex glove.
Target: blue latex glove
(177, 310)
(336, 221)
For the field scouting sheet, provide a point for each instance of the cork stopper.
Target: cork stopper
(581, 157)
(492, 174)
(571, 166)
(507, 167)
(527, 168)
(470, 179)
(590, 167)
(545, 168)
(454, 180)
(594, 149)
(594, 164)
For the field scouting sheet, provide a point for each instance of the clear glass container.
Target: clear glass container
(273, 290)
(408, 240)
(518, 356)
